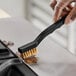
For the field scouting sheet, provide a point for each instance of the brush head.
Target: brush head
(28, 50)
(29, 53)
(28, 47)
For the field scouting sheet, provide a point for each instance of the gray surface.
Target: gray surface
(53, 59)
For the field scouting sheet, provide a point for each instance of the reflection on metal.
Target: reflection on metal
(3, 14)
(71, 38)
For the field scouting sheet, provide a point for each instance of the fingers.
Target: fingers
(64, 8)
(60, 7)
(70, 6)
(71, 16)
(53, 4)
(67, 10)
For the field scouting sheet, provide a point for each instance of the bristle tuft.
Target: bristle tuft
(29, 53)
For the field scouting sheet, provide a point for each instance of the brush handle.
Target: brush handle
(49, 30)
(41, 36)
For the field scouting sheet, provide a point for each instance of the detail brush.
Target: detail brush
(29, 49)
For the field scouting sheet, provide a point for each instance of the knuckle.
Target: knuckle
(60, 5)
(58, 8)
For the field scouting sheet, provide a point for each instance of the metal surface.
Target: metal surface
(53, 59)
(8, 63)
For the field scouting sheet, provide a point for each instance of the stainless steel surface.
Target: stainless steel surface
(8, 63)
(53, 59)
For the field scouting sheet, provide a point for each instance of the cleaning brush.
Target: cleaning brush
(29, 49)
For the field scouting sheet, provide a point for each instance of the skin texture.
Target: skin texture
(64, 7)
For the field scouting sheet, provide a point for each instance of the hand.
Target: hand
(62, 8)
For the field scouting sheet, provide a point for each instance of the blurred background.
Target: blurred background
(40, 14)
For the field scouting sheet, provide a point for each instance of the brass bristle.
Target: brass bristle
(23, 55)
(29, 53)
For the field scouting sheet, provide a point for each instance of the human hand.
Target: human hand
(62, 8)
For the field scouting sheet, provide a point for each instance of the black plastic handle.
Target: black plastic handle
(49, 30)
(42, 35)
